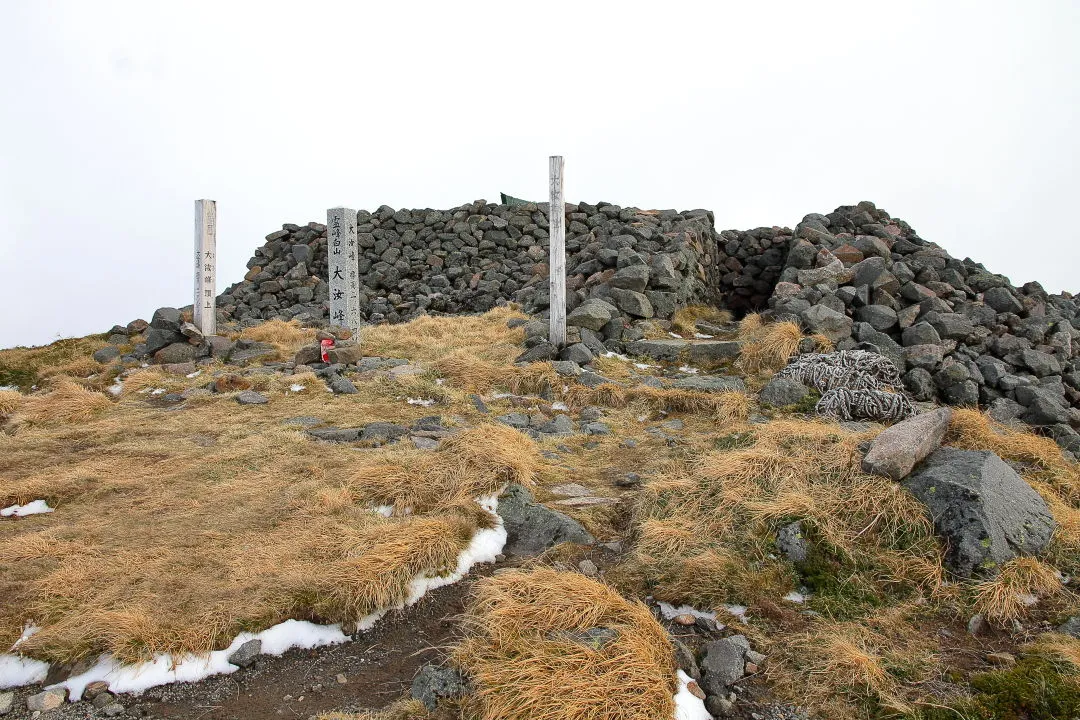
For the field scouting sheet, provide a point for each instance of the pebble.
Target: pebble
(588, 568)
(7, 699)
(695, 690)
(341, 679)
(686, 619)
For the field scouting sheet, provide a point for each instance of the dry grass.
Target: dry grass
(527, 664)
(766, 347)
(686, 318)
(174, 530)
(65, 401)
(286, 337)
(474, 463)
(24, 367)
(10, 400)
(1059, 647)
(404, 709)
(1010, 594)
(725, 407)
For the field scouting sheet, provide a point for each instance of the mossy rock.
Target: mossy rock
(1035, 689)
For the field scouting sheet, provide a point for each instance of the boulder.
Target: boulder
(177, 352)
(245, 655)
(578, 353)
(792, 542)
(657, 349)
(898, 448)
(106, 354)
(830, 323)
(538, 353)
(434, 682)
(632, 303)
(984, 511)
(922, 333)
(250, 397)
(1002, 301)
(723, 663)
(532, 528)
(631, 277)
(879, 317)
(783, 392)
(711, 351)
(47, 700)
(340, 385)
(710, 383)
(593, 314)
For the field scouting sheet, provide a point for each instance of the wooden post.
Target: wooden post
(204, 308)
(343, 268)
(557, 254)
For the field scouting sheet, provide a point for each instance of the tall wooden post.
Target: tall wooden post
(204, 308)
(557, 253)
(343, 269)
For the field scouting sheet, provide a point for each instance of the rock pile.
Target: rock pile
(959, 333)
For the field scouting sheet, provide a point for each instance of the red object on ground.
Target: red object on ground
(326, 345)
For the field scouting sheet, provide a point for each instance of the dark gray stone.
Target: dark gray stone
(710, 383)
(434, 682)
(713, 351)
(250, 397)
(566, 368)
(166, 318)
(593, 314)
(106, 354)
(792, 542)
(658, 349)
(1040, 363)
(595, 428)
(632, 277)
(1005, 410)
(985, 512)
(879, 317)
(532, 528)
(178, 352)
(1002, 301)
(577, 353)
(922, 333)
(340, 385)
(783, 392)
(560, 425)
(538, 353)
(723, 663)
(157, 338)
(833, 325)
(1070, 627)
(245, 655)
(920, 383)
(380, 433)
(514, 420)
(632, 303)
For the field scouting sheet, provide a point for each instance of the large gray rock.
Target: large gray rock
(723, 663)
(632, 303)
(166, 318)
(157, 338)
(593, 314)
(340, 385)
(250, 397)
(879, 317)
(792, 542)
(710, 383)
(433, 682)
(985, 512)
(245, 655)
(922, 333)
(532, 528)
(7, 700)
(1002, 301)
(830, 323)
(713, 350)
(896, 450)
(657, 349)
(177, 352)
(106, 354)
(782, 392)
(632, 277)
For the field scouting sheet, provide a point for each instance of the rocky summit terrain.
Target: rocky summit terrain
(772, 475)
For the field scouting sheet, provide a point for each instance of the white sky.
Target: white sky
(959, 117)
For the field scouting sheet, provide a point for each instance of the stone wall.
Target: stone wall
(960, 334)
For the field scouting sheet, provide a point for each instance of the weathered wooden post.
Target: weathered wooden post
(204, 308)
(343, 269)
(557, 254)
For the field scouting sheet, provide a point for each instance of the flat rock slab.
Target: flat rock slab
(707, 351)
(985, 512)
(658, 349)
(571, 490)
(532, 528)
(586, 501)
(897, 450)
(710, 383)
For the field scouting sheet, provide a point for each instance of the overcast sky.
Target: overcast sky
(959, 117)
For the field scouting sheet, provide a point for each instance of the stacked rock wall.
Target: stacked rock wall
(961, 334)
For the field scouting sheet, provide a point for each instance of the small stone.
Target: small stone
(751, 668)
(48, 700)
(7, 700)
(341, 679)
(1001, 659)
(685, 619)
(977, 625)
(250, 397)
(341, 385)
(595, 428)
(695, 690)
(92, 690)
(755, 657)
(106, 354)
(113, 709)
(588, 568)
(246, 654)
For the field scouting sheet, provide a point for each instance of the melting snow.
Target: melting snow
(610, 354)
(297, 387)
(27, 633)
(689, 370)
(670, 611)
(9, 387)
(195, 374)
(643, 366)
(16, 670)
(738, 611)
(117, 387)
(677, 336)
(560, 405)
(157, 391)
(687, 705)
(34, 508)
(795, 597)
(702, 336)
(426, 402)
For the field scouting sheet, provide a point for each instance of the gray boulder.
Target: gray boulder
(577, 353)
(879, 317)
(538, 353)
(792, 542)
(433, 682)
(663, 349)
(632, 303)
(532, 528)
(710, 383)
(985, 512)
(178, 352)
(922, 333)
(631, 277)
(896, 450)
(106, 354)
(340, 385)
(593, 314)
(246, 654)
(723, 663)
(1002, 301)
(250, 397)
(782, 392)
(830, 323)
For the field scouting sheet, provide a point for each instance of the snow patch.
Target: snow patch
(738, 611)
(643, 366)
(157, 391)
(195, 374)
(702, 336)
(33, 508)
(670, 612)
(795, 597)
(9, 387)
(425, 402)
(116, 388)
(687, 705)
(559, 405)
(688, 370)
(297, 387)
(677, 336)
(16, 670)
(610, 354)
(28, 631)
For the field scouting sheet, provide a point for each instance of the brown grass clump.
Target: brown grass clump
(1058, 647)
(286, 337)
(725, 407)
(10, 400)
(1011, 593)
(474, 463)
(766, 347)
(65, 402)
(231, 383)
(25, 367)
(529, 659)
(404, 709)
(685, 319)
(467, 371)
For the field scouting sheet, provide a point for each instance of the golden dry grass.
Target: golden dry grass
(1011, 593)
(175, 529)
(10, 400)
(286, 337)
(527, 664)
(725, 407)
(766, 347)
(1059, 647)
(685, 319)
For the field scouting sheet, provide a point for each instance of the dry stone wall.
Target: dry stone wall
(960, 333)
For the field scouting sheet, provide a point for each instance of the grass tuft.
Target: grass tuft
(1011, 593)
(685, 320)
(766, 347)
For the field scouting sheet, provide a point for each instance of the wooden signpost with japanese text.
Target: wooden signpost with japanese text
(204, 308)
(557, 254)
(341, 250)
